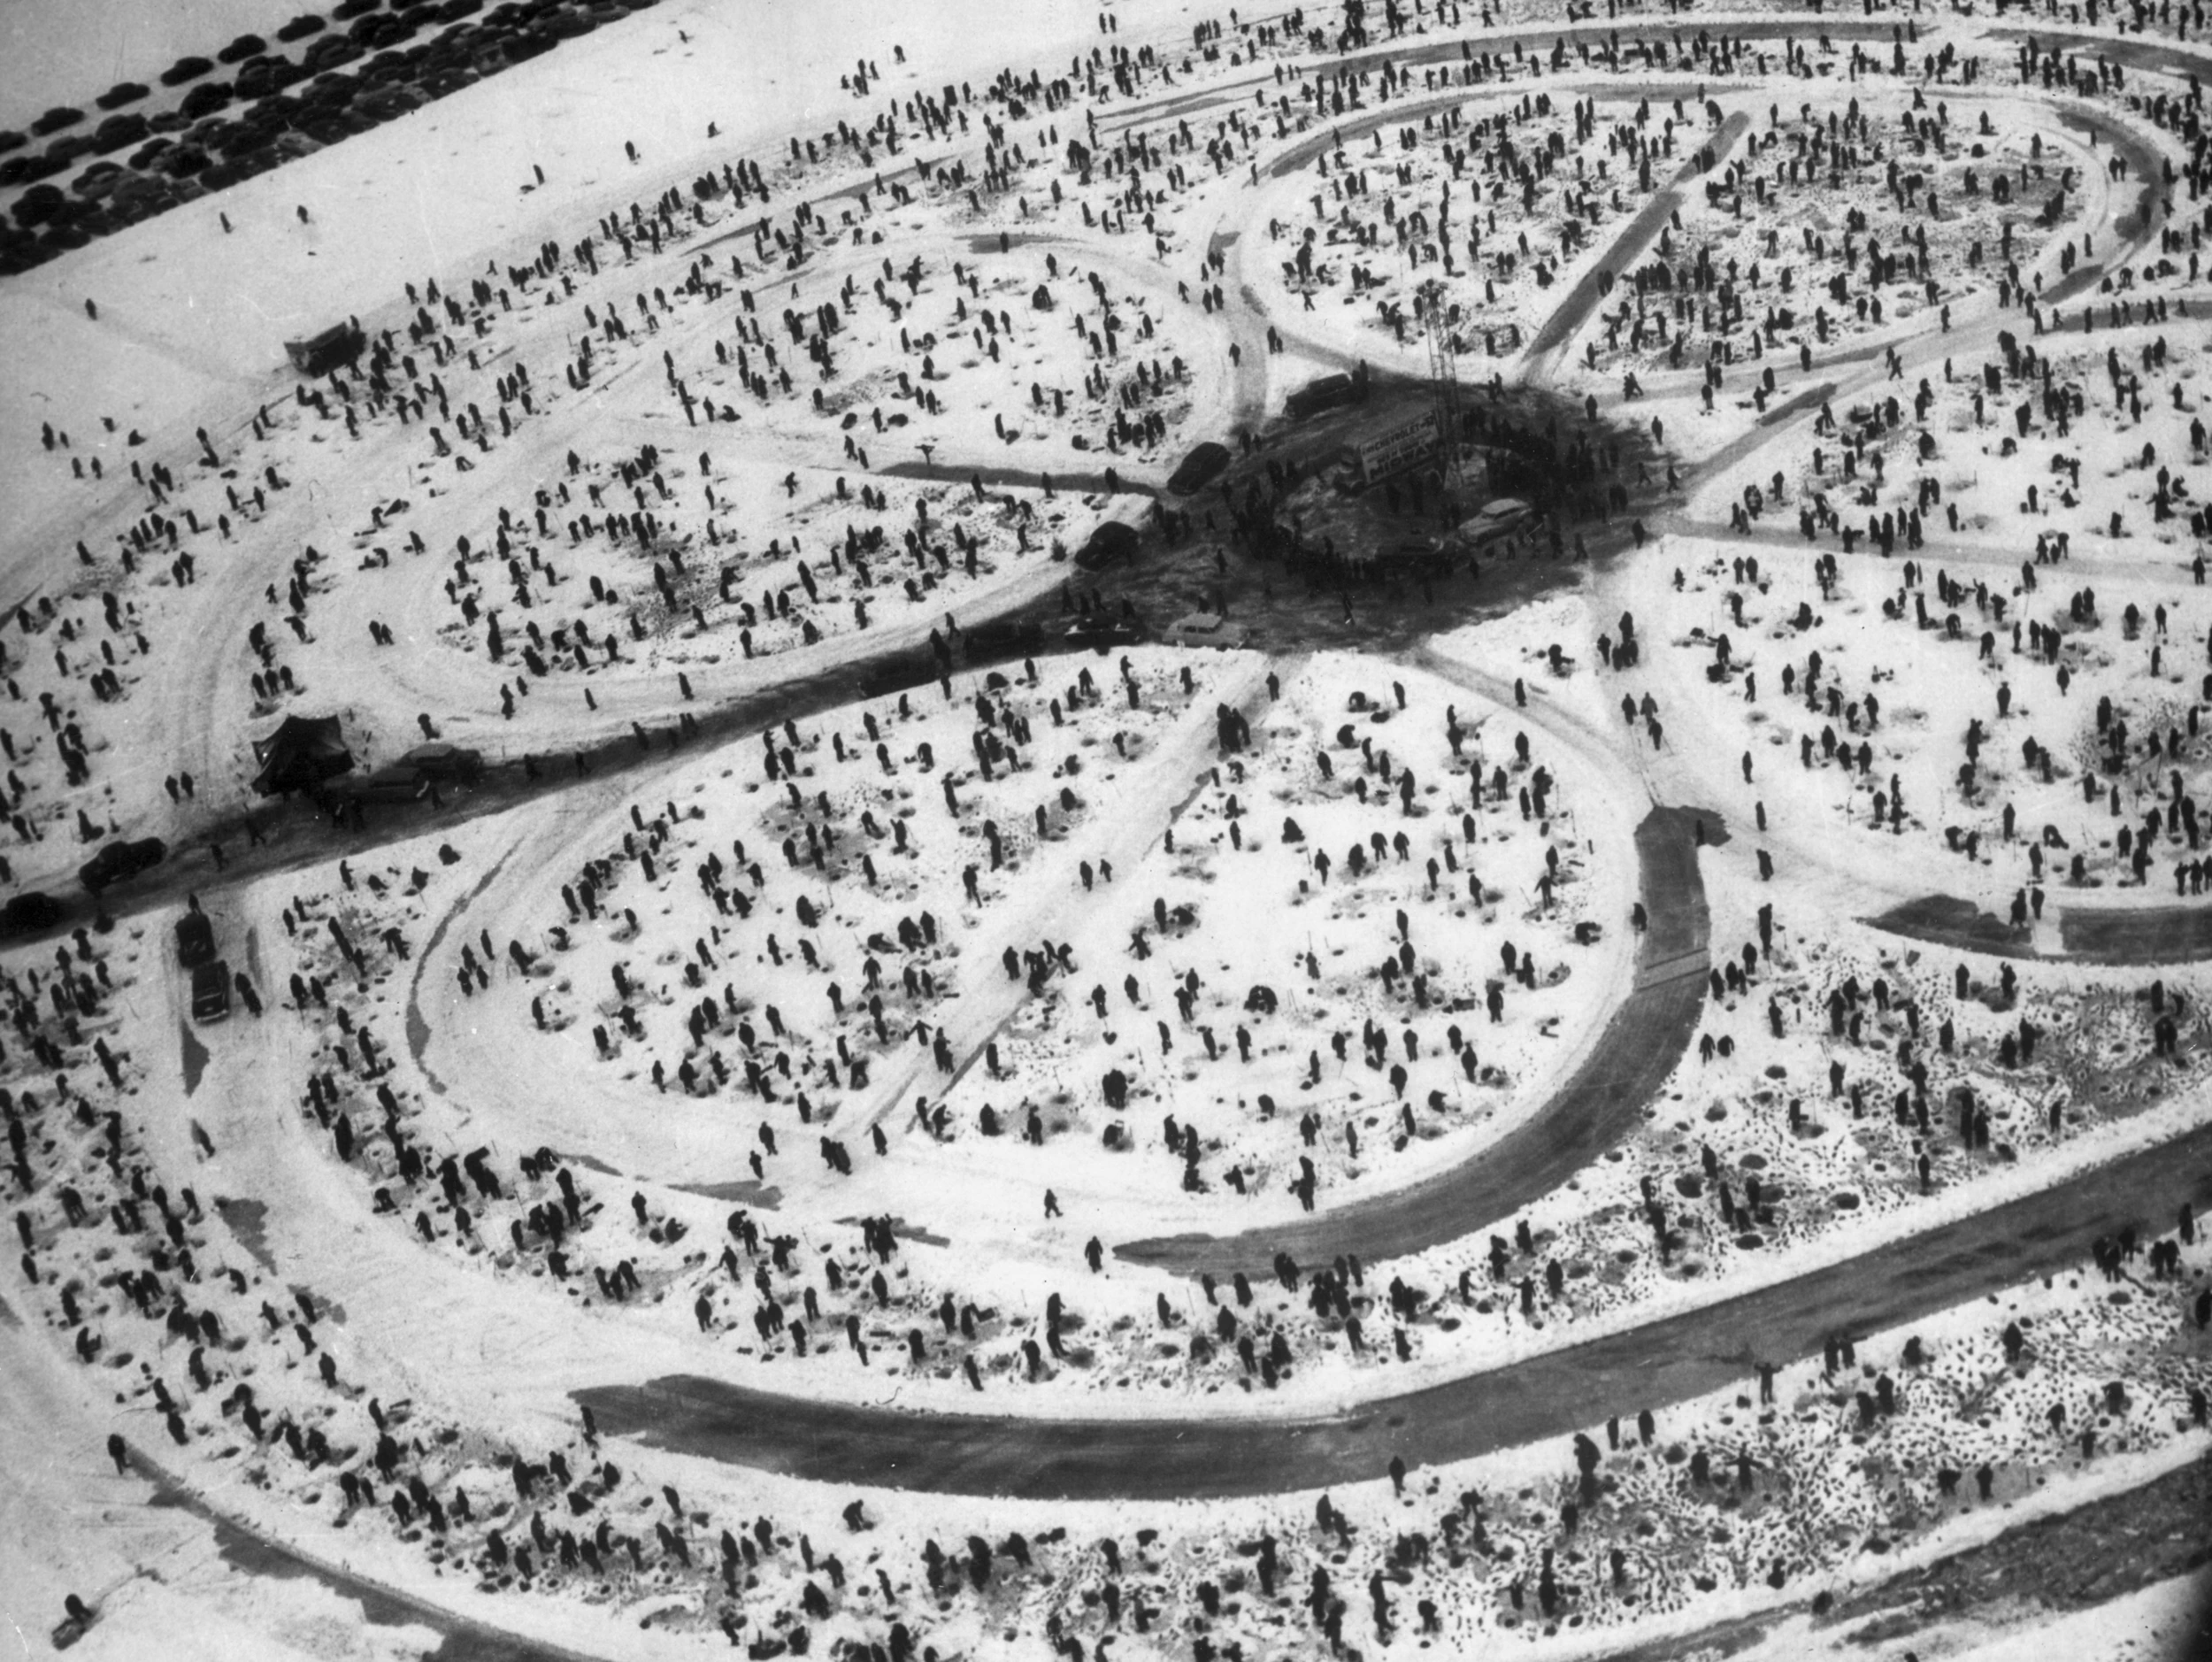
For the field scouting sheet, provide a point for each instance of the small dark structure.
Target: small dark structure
(300, 755)
(319, 354)
(1112, 544)
(1327, 393)
(1378, 454)
(120, 860)
(211, 991)
(1206, 463)
(196, 940)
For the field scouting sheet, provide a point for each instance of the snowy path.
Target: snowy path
(1556, 335)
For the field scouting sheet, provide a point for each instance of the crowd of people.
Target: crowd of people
(837, 889)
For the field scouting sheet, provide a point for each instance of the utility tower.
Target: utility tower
(1444, 395)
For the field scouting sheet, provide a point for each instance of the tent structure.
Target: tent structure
(302, 753)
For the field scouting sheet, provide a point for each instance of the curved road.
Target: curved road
(1644, 1038)
(1549, 1395)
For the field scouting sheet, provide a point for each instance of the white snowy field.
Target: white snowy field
(377, 514)
(198, 315)
(693, 1029)
(1834, 1491)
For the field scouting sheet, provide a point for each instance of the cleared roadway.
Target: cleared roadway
(1551, 1396)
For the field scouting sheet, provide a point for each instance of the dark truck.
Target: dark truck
(1329, 392)
(447, 764)
(319, 354)
(121, 860)
(1114, 542)
(196, 940)
(416, 776)
(1206, 463)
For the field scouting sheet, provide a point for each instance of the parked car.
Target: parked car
(121, 861)
(119, 131)
(1327, 393)
(29, 912)
(396, 783)
(1114, 542)
(1101, 631)
(205, 100)
(1204, 628)
(196, 940)
(1496, 519)
(330, 51)
(1205, 462)
(211, 991)
(445, 763)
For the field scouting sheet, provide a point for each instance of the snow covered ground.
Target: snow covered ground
(836, 1058)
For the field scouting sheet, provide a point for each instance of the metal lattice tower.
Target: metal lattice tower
(1443, 393)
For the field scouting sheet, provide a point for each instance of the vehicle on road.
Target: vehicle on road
(211, 991)
(448, 764)
(1112, 544)
(121, 860)
(1500, 517)
(1205, 464)
(1102, 632)
(1204, 628)
(1325, 393)
(396, 783)
(29, 912)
